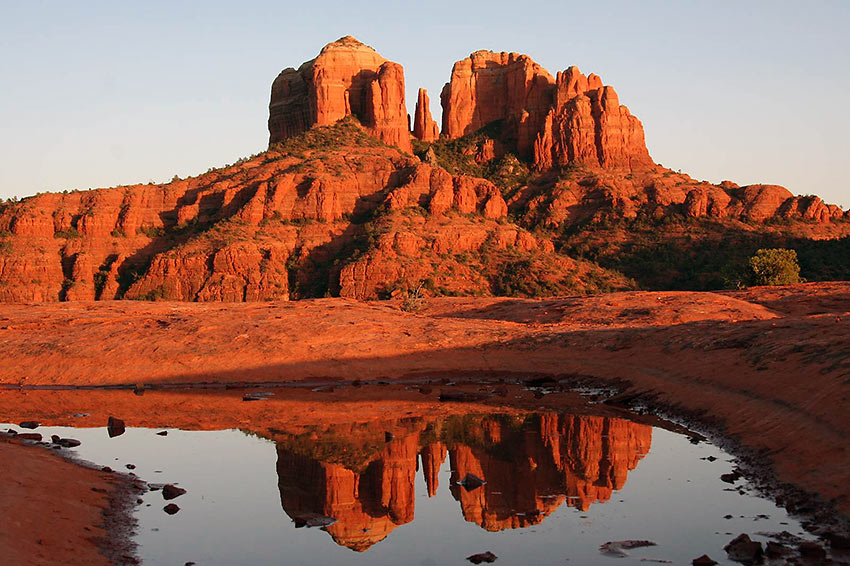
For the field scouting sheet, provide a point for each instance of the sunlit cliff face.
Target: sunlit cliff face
(363, 475)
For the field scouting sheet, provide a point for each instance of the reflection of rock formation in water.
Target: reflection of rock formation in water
(532, 465)
(432, 457)
(579, 460)
(367, 504)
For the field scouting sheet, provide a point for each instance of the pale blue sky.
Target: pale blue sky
(98, 94)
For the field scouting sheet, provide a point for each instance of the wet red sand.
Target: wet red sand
(55, 511)
(770, 366)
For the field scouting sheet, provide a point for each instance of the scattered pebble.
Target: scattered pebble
(487, 557)
(172, 491)
(115, 427)
(471, 481)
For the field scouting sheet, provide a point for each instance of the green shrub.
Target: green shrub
(69, 233)
(774, 266)
(151, 231)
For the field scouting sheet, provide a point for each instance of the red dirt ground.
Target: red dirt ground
(53, 509)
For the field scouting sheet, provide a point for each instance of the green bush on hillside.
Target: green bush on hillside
(774, 266)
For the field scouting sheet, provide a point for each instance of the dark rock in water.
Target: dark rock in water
(312, 520)
(106, 469)
(388, 436)
(471, 481)
(172, 491)
(130, 466)
(618, 547)
(487, 557)
(34, 436)
(171, 508)
(11, 432)
(30, 425)
(703, 560)
(776, 549)
(540, 382)
(114, 427)
(742, 549)
(65, 442)
(812, 551)
(731, 477)
(162, 433)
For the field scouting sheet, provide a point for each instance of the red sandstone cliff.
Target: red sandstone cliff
(348, 78)
(572, 119)
(330, 210)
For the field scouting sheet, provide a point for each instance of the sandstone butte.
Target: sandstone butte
(346, 79)
(338, 205)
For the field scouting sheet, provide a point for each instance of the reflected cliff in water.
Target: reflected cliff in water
(363, 475)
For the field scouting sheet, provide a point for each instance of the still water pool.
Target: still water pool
(401, 490)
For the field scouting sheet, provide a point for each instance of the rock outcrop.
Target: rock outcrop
(424, 127)
(342, 208)
(348, 78)
(587, 126)
(489, 87)
(571, 119)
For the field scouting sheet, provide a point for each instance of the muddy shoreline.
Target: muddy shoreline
(63, 510)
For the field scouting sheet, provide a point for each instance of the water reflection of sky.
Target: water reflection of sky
(232, 512)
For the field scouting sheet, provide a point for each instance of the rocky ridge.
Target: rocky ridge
(339, 205)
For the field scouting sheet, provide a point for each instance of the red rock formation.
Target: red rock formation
(348, 78)
(424, 127)
(487, 86)
(294, 224)
(572, 119)
(587, 126)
